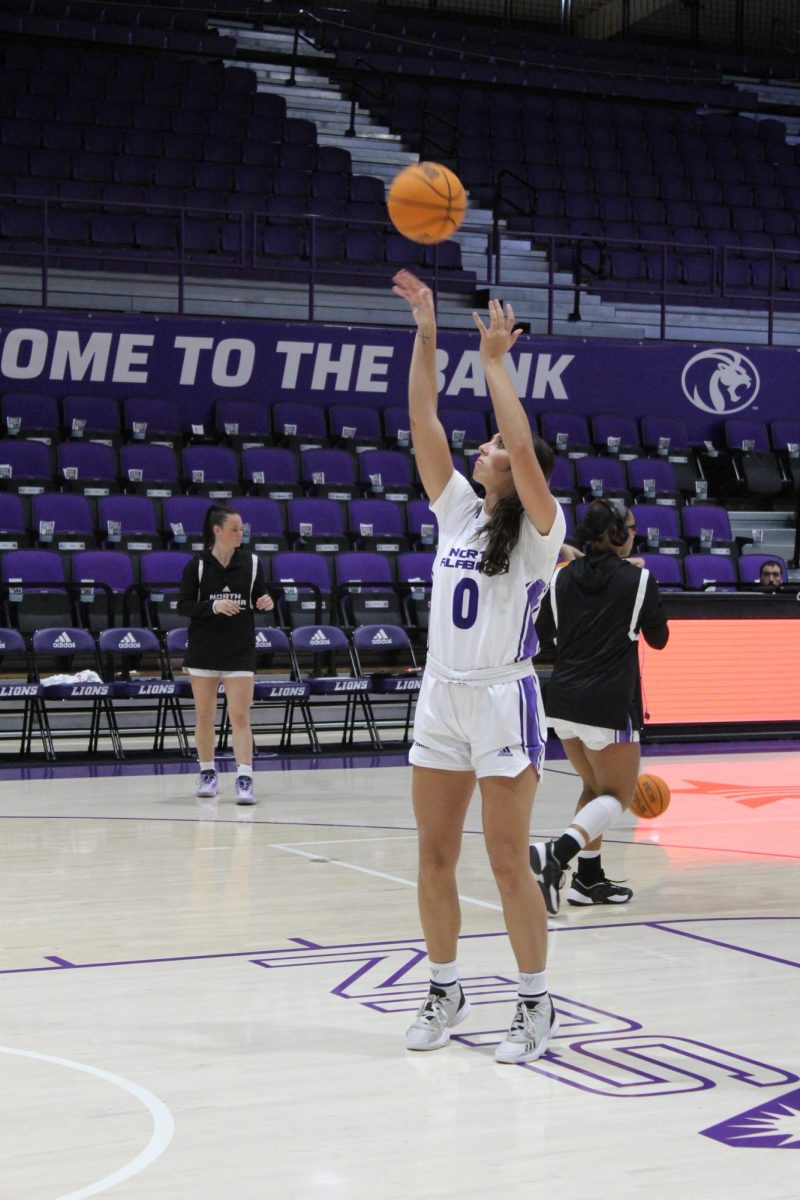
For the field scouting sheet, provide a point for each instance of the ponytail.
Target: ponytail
(216, 514)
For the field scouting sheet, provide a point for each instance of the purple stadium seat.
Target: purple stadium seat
(330, 473)
(13, 525)
(25, 414)
(91, 418)
(709, 570)
(149, 469)
(355, 425)
(616, 435)
(316, 524)
(107, 569)
(243, 424)
(365, 589)
(658, 529)
(182, 521)
(151, 420)
(377, 525)
(88, 467)
(211, 471)
(601, 476)
(667, 570)
(423, 529)
(271, 471)
(707, 527)
(304, 584)
(263, 524)
(416, 570)
(743, 433)
(38, 589)
(25, 466)
(62, 521)
(160, 572)
(387, 474)
(301, 426)
(652, 480)
(567, 432)
(129, 522)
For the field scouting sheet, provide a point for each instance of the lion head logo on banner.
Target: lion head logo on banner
(722, 382)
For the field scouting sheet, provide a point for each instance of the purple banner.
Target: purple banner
(195, 362)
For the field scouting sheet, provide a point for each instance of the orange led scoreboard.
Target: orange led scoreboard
(731, 666)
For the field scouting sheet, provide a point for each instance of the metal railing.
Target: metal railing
(584, 262)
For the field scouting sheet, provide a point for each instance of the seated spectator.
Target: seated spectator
(770, 576)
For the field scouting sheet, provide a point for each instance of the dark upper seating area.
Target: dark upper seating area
(141, 161)
(144, 26)
(600, 146)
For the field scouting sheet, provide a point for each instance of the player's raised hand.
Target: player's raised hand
(500, 335)
(420, 298)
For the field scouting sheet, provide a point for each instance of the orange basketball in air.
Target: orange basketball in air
(426, 202)
(651, 798)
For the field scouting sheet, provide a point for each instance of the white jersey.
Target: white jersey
(485, 623)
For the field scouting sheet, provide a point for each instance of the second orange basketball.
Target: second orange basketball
(426, 202)
(652, 796)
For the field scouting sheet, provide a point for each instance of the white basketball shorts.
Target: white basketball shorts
(593, 737)
(491, 729)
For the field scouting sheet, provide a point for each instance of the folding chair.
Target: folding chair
(19, 696)
(127, 647)
(385, 654)
(65, 646)
(323, 649)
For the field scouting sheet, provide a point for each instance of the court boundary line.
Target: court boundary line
(662, 923)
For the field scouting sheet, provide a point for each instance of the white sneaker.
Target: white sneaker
(440, 1011)
(535, 1022)
(244, 790)
(206, 785)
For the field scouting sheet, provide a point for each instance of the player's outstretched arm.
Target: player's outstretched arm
(512, 422)
(431, 448)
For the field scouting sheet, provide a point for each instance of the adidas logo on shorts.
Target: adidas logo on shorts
(129, 642)
(505, 753)
(63, 642)
(381, 638)
(320, 639)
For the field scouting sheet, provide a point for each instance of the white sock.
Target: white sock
(594, 818)
(444, 974)
(589, 854)
(532, 985)
(208, 766)
(245, 770)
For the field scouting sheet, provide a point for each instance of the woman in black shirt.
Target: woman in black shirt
(220, 591)
(599, 606)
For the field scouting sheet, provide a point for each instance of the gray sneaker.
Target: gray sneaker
(206, 785)
(244, 790)
(535, 1022)
(439, 1012)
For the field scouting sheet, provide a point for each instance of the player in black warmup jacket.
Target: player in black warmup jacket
(598, 605)
(220, 590)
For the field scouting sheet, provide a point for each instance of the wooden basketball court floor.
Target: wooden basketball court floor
(205, 1003)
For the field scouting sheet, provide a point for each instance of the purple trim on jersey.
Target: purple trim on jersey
(528, 644)
(530, 732)
(625, 735)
